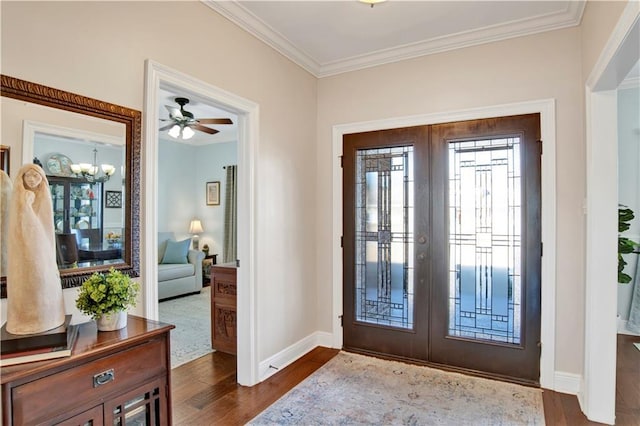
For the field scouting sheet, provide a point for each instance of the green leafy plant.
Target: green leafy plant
(625, 245)
(107, 293)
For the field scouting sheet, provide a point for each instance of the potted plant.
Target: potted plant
(106, 297)
(625, 245)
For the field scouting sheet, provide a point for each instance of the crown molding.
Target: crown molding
(238, 14)
(255, 26)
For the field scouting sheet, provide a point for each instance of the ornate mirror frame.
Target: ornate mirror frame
(132, 119)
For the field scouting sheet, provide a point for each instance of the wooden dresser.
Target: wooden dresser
(113, 378)
(223, 308)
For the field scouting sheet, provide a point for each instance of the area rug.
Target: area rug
(360, 390)
(191, 338)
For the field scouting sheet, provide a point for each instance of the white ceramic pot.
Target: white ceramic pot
(112, 321)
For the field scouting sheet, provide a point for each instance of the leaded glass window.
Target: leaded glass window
(484, 239)
(384, 236)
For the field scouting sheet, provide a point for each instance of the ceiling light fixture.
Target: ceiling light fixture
(178, 131)
(371, 2)
(90, 171)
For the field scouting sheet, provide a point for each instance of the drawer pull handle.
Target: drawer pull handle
(103, 378)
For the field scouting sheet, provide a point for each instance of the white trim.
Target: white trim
(251, 23)
(622, 328)
(598, 395)
(293, 352)
(29, 129)
(630, 83)
(617, 56)
(248, 133)
(622, 51)
(567, 382)
(546, 108)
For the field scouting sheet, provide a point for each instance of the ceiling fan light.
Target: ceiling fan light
(187, 133)
(174, 132)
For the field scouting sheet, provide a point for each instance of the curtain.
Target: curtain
(634, 314)
(230, 249)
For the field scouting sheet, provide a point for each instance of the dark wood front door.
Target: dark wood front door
(442, 244)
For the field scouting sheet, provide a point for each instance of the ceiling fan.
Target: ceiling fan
(183, 123)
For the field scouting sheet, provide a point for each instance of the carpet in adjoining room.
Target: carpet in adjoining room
(191, 338)
(354, 389)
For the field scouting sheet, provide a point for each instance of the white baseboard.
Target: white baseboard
(293, 352)
(567, 382)
(622, 328)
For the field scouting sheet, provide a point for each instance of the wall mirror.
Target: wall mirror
(90, 151)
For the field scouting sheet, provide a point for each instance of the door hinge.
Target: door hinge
(341, 241)
(341, 320)
(541, 146)
(541, 249)
(237, 263)
(342, 161)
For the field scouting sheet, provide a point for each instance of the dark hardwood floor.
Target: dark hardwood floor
(205, 392)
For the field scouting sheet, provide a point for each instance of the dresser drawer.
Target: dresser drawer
(49, 396)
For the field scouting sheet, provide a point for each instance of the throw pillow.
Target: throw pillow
(176, 251)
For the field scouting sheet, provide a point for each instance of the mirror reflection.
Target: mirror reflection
(86, 175)
(90, 152)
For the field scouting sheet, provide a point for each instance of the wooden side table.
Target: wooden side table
(223, 308)
(207, 263)
(112, 377)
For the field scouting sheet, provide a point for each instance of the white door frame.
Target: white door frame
(248, 117)
(598, 395)
(546, 108)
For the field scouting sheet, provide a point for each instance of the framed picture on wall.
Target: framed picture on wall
(213, 193)
(113, 199)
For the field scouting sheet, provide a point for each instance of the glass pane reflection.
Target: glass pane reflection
(384, 236)
(484, 240)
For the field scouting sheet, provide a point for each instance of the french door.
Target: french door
(442, 244)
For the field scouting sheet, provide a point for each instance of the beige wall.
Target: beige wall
(99, 49)
(543, 66)
(598, 21)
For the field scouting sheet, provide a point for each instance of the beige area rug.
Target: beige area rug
(354, 389)
(191, 338)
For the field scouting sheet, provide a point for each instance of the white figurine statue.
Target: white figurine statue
(34, 293)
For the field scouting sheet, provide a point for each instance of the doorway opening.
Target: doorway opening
(158, 76)
(598, 392)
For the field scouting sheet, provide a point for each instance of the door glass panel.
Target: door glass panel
(384, 236)
(484, 240)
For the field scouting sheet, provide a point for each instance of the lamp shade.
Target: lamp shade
(195, 227)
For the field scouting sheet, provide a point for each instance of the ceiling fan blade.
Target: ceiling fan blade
(215, 121)
(167, 127)
(205, 129)
(174, 112)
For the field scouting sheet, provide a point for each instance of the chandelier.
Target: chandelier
(90, 172)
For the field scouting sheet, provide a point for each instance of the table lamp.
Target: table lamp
(195, 228)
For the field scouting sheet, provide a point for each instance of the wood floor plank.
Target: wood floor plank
(205, 392)
(553, 412)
